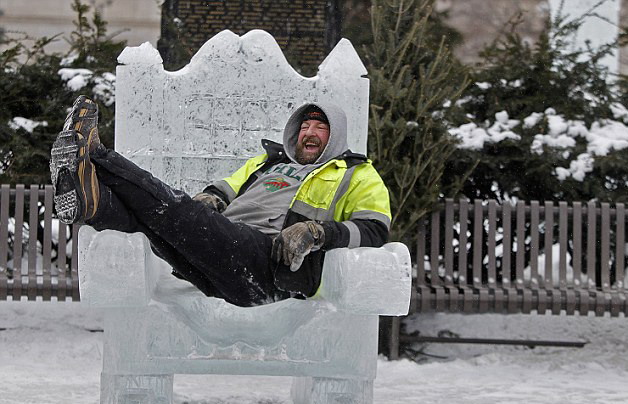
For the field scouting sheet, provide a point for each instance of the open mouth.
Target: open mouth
(311, 144)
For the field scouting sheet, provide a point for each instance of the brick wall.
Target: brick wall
(305, 29)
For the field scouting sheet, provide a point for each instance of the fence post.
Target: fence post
(395, 330)
(17, 242)
(47, 245)
(4, 241)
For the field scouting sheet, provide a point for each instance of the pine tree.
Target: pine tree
(412, 75)
(174, 45)
(522, 79)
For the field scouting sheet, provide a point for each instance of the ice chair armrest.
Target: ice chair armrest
(116, 269)
(368, 281)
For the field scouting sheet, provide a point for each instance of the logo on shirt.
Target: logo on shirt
(284, 169)
(275, 184)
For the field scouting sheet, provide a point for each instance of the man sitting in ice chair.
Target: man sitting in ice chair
(256, 237)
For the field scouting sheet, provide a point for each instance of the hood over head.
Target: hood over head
(337, 143)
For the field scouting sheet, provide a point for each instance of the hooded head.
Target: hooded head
(315, 133)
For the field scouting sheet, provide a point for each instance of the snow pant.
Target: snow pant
(222, 259)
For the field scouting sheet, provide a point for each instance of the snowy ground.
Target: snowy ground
(48, 355)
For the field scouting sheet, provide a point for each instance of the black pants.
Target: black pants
(223, 259)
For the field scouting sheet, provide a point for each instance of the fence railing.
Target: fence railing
(483, 257)
(38, 254)
(478, 256)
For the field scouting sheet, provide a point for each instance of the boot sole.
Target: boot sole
(69, 195)
(81, 114)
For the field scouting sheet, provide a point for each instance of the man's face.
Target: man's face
(313, 138)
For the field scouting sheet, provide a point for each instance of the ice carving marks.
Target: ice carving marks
(233, 126)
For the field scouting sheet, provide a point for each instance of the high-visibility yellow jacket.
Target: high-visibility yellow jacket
(346, 195)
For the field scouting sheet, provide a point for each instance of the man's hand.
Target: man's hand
(297, 241)
(211, 200)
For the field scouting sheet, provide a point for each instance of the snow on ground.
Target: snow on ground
(49, 355)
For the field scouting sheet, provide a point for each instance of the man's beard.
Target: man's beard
(303, 158)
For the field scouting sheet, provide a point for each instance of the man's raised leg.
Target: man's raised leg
(234, 257)
(108, 191)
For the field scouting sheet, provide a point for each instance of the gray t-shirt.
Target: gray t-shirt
(264, 205)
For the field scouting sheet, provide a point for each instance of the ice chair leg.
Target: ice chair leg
(319, 390)
(135, 389)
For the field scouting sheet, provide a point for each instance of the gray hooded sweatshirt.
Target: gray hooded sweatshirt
(265, 203)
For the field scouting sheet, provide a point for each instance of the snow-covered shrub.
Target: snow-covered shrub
(38, 88)
(542, 122)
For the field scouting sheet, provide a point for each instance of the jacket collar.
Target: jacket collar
(275, 151)
(276, 154)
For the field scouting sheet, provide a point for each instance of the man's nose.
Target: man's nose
(310, 131)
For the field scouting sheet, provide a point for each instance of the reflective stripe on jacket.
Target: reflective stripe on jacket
(346, 195)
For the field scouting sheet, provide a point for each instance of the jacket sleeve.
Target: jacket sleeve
(228, 188)
(363, 213)
(371, 233)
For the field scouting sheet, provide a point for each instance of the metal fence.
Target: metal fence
(484, 257)
(478, 257)
(38, 254)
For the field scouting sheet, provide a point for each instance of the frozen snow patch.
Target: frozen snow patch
(619, 111)
(532, 119)
(75, 78)
(577, 168)
(483, 85)
(105, 88)
(606, 136)
(23, 123)
(559, 142)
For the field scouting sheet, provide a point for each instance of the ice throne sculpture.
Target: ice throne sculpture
(200, 123)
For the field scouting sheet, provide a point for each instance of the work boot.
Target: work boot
(76, 191)
(83, 118)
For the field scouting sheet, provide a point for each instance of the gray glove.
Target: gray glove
(297, 241)
(213, 201)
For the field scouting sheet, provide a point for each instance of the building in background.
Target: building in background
(306, 30)
(137, 21)
(479, 21)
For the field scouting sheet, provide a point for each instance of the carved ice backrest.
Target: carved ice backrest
(203, 121)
